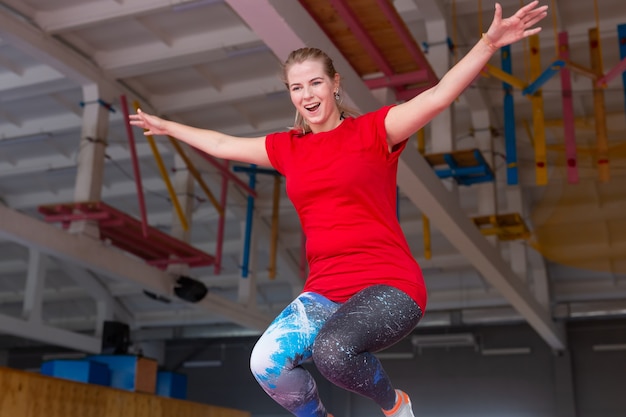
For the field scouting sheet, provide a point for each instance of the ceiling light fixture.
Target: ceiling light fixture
(443, 340)
(506, 351)
(611, 347)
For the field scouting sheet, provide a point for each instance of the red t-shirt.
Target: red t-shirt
(342, 184)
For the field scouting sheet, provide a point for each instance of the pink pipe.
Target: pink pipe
(614, 72)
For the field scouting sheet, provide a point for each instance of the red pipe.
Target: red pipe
(133, 153)
(226, 172)
(388, 9)
(361, 35)
(415, 77)
(222, 221)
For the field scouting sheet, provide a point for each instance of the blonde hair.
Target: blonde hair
(304, 54)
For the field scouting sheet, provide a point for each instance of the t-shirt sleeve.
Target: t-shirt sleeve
(381, 134)
(274, 150)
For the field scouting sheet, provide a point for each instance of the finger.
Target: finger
(533, 18)
(526, 8)
(530, 21)
(536, 20)
(497, 13)
(531, 32)
(539, 10)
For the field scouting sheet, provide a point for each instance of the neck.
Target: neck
(332, 123)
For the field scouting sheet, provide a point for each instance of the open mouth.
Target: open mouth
(312, 107)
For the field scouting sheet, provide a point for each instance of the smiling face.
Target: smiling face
(312, 93)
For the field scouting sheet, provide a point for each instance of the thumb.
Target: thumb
(497, 14)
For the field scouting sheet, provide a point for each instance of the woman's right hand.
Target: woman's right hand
(152, 125)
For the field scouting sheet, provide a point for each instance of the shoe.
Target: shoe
(402, 407)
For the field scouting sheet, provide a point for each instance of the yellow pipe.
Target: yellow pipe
(536, 99)
(274, 242)
(196, 175)
(596, 13)
(529, 133)
(428, 252)
(505, 77)
(421, 141)
(602, 141)
(168, 183)
(421, 147)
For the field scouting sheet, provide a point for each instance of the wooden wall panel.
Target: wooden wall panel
(25, 394)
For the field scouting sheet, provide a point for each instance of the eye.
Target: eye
(296, 88)
(317, 82)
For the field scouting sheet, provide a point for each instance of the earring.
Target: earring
(337, 96)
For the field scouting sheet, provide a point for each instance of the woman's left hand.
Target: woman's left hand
(503, 32)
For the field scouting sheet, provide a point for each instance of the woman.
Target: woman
(365, 291)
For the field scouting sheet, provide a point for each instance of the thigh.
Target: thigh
(373, 319)
(288, 341)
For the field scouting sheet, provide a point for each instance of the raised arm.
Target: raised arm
(248, 150)
(407, 118)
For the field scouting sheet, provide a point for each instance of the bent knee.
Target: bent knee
(260, 362)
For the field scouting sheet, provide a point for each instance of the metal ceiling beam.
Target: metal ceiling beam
(22, 33)
(245, 90)
(188, 51)
(80, 15)
(41, 45)
(96, 256)
(33, 330)
(30, 82)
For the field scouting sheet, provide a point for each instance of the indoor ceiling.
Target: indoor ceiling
(68, 68)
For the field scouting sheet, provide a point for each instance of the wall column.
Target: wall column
(91, 153)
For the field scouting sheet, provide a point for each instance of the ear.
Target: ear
(337, 81)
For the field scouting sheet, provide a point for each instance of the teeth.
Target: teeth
(313, 107)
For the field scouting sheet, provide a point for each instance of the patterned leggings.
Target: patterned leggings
(339, 338)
